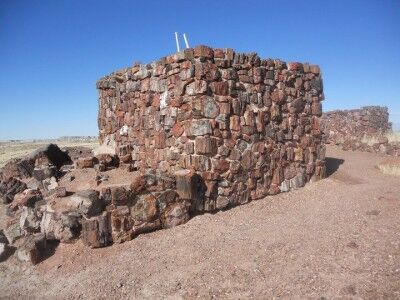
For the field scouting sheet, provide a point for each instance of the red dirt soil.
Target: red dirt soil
(339, 237)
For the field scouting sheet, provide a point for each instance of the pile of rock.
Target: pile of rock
(360, 129)
(40, 212)
(38, 208)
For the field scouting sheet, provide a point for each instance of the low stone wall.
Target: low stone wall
(340, 125)
(248, 127)
(360, 129)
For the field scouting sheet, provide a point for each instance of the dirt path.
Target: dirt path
(339, 237)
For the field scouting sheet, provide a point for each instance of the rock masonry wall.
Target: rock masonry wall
(340, 125)
(247, 127)
(360, 129)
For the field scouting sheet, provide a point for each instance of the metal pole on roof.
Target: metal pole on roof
(177, 42)
(186, 41)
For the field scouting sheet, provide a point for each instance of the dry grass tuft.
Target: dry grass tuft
(392, 137)
(390, 167)
(369, 140)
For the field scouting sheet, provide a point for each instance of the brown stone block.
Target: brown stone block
(159, 140)
(234, 123)
(203, 51)
(84, 162)
(220, 88)
(220, 165)
(121, 224)
(174, 215)
(96, 231)
(206, 145)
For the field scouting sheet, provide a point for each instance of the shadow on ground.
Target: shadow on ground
(7, 253)
(332, 165)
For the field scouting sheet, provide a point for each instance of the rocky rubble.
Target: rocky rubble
(355, 129)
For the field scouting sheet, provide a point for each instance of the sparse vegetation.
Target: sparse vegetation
(393, 137)
(371, 140)
(390, 167)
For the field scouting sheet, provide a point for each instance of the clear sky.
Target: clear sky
(52, 52)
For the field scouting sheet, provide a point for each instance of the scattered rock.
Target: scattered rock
(41, 173)
(33, 249)
(84, 162)
(50, 184)
(13, 231)
(62, 226)
(9, 188)
(29, 221)
(373, 212)
(88, 202)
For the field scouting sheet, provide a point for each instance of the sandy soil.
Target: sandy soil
(339, 237)
(16, 149)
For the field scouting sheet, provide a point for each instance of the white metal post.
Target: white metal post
(177, 42)
(186, 41)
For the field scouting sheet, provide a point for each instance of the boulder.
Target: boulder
(63, 226)
(13, 231)
(190, 186)
(29, 221)
(84, 162)
(33, 249)
(96, 231)
(9, 188)
(57, 192)
(88, 202)
(40, 173)
(50, 184)
(120, 196)
(145, 209)
(175, 214)
(76, 152)
(138, 184)
(23, 167)
(108, 160)
(27, 198)
(121, 224)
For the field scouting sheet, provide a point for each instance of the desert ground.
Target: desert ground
(338, 237)
(15, 149)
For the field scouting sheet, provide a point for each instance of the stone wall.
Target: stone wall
(340, 125)
(360, 129)
(247, 127)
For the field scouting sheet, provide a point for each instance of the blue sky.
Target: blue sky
(52, 52)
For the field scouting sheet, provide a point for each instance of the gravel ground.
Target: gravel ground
(339, 237)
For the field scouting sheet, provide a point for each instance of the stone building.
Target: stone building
(246, 127)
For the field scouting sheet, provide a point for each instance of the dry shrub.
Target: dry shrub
(390, 167)
(369, 140)
(393, 137)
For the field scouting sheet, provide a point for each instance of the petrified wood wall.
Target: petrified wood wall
(341, 125)
(248, 127)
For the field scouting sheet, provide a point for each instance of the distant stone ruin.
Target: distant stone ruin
(362, 129)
